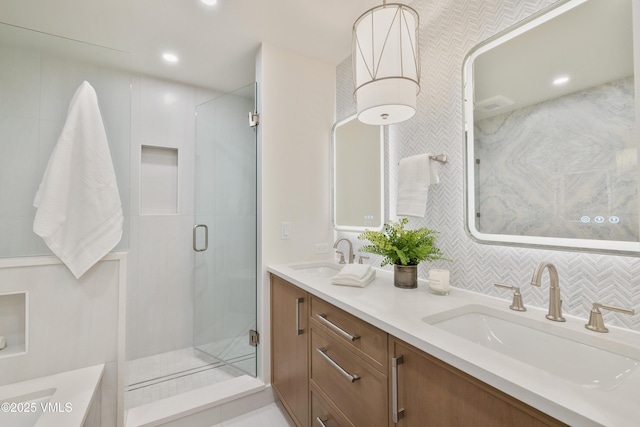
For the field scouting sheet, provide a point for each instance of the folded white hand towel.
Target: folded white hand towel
(352, 280)
(79, 214)
(414, 177)
(354, 271)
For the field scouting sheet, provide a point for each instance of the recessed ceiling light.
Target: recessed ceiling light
(170, 57)
(209, 2)
(561, 80)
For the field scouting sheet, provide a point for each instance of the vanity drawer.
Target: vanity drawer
(324, 414)
(368, 341)
(363, 398)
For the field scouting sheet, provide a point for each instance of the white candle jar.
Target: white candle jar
(439, 282)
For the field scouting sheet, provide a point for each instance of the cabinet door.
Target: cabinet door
(289, 356)
(428, 392)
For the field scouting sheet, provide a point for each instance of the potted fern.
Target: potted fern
(403, 248)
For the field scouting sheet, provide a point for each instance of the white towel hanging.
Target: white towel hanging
(79, 214)
(414, 178)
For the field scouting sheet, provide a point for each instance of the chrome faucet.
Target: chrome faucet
(351, 255)
(555, 303)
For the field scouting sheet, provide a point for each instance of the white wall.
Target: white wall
(296, 97)
(72, 323)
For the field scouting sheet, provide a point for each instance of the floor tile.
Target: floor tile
(272, 415)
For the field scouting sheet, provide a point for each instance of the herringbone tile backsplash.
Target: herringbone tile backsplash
(448, 30)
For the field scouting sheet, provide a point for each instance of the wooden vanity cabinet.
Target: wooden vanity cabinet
(433, 393)
(314, 351)
(289, 348)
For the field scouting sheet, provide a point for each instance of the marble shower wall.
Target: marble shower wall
(448, 30)
(545, 167)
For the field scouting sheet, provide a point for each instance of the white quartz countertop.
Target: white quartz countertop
(399, 312)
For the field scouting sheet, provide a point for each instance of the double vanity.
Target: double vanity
(384, 356)
(550, 162)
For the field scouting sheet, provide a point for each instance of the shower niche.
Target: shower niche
(14, 331)
(158, 180)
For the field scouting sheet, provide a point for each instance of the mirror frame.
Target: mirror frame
(354, 228)
(557, 243)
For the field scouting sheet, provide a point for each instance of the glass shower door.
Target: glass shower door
(225, 231)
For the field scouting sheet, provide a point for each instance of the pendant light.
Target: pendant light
(386, 64)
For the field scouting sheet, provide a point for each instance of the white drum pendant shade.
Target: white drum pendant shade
(386, 64)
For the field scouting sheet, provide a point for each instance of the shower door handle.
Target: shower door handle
(206, 237)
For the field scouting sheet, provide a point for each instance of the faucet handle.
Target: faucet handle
(596, 323)
(517, 303)
(342, 261)
(362, 257)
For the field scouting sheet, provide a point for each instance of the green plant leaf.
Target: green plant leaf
(401, 246)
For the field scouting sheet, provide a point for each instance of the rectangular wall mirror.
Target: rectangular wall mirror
(551, 135)
(358, 174)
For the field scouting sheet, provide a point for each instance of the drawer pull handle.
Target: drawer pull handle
(397, 413)
(298, 302)
(323, 319)
(321, 422)
(347, 375)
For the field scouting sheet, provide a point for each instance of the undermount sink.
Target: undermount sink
(585, 360)
(319, 270)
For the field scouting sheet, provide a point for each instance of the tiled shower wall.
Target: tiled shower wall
(448, 30)
(581, 165)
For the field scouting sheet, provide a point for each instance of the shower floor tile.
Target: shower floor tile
(160, 365)
(164, 375)
(236, 351)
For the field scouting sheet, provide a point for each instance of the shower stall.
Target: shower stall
(222, 235)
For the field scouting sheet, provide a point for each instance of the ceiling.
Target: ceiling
(591, 43)
(216, 44)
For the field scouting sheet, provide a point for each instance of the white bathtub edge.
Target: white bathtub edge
(77, 387)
